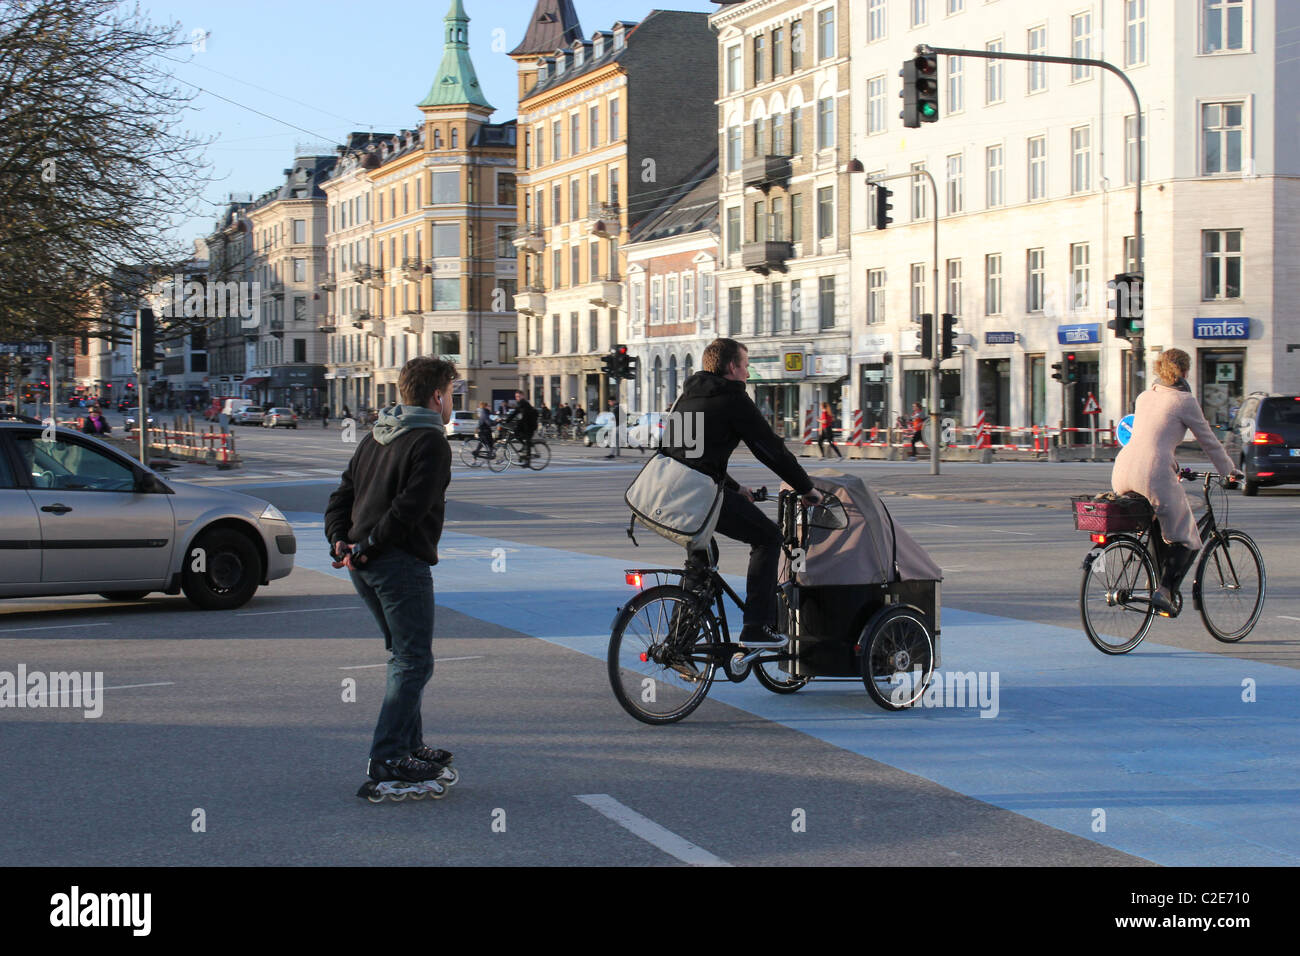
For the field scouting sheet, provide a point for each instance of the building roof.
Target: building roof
(456, 83)
(693, 207)
(303, 181)
(554, 24)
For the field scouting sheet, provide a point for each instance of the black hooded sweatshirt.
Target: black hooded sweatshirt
(730, 417)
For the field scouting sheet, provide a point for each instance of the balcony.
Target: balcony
(274, 289)
(607, 293)
(329, 283)
(412, 269)
(605, 222)
(764, 172)
(376, 278)
(359, 319)
(328, 325)
(375, 328)
(531, 302)
(529, 238)
(277, 328)
(764, 257)
(361, 273)
(414, 323)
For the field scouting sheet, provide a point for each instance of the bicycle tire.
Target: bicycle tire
(1228, 571)
(468, 453)
(515, 451)
(777, 680)
(643, 627)
(498, 462)
(897, 656)
(541, 452)
(1121, 570)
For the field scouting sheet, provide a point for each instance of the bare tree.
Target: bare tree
(95, 167)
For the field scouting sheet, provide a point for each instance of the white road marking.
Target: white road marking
(436, 660)
(651, 832)
(305, 610)
(52, 627)
(1288, 617)
(939, 525)
(1027, 534)
(66, 691)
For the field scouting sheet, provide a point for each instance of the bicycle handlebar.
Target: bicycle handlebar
(1186, 474)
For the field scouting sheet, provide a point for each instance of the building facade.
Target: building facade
(598, 154)
(230, 260)
(1036, 166)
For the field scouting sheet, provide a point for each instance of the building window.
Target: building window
(825, 212)
(638, 294)
(1037, 43)
(956, 85)
(778, 134)
(299, 270)
(1035, 287)
(593, 260)
(505, 248)
(777, 308)
(706, 293)
(557, 140)
(993, 75)
(557, 263)
(758, 232)
(778, 50)
(1131, 149)
(876, 20)
(445, 188)
(1222, 264)
(613, 119)
(734, 144)
(776, 222)
(918, 288)
(760, 293)
(993, 284)
(876, 105)
(593, 191)
(733, 229)
(1135, 32)
(796, 130)
(954, 286)
(796, 45)
(760, 136)
(920, 12)
(507, 348)
(613, 186)
(575, 189)
(1080, 276)
(671, 296)
(557, 209)
(994, 176)
(796, 217)
(826, 33)
(875, 296)
(956, 184)
(575, 133)
(1081, 162)
(1130, 255)
(734, 305)
(1221, 127)
(539, 137)
(826, 123)
(733, 68)
(1080, 46)
(300, 230)
(760, 57)
(575, 265)
(1037, 168)
(446, 295)
(920, 187)
(446, 239)
(656, 300)
(826, 302)
(593, 330)
(956, 6)
(555, 334)
(573, 332)
(688, 296)
(593, 126)
(1224, 26)
(796, 304)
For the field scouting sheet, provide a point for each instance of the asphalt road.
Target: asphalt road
(246, 716)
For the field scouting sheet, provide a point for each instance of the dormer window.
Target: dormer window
(543, 68)
(597, 46)
(559, 62)
(577, 53)
(618, 36)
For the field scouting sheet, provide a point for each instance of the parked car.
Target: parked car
(249, 415)
(280, 418)
(646, 431)
(130, 422)
(1264, 439)
(462, 425)
(102, 523)
(600, 432)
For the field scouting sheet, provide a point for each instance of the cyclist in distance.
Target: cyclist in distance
(729, 416)
(526, 416)
(1146, 465)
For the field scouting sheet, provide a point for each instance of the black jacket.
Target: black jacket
(393, 495)
(730, 417)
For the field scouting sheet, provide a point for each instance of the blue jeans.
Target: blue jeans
(398, 589)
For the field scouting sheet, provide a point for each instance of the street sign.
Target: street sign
(1124, 430)
(1090, 407)
(24, 348)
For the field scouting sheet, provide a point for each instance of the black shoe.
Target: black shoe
(406, 769)
(440, 757)
(754, 636)
(1163, 603)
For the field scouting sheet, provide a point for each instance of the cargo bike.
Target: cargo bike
(857, 595)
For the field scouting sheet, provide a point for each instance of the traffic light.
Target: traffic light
(1071, 369)
(882, 206)
(1128, 305)
(609, 366)
(620, 361)
(631, 367)
(948, 342)
(1058, 371)
(920, 91)
(144, 339)
(927, 335)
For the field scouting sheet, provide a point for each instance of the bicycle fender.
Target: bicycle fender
(1091, 556)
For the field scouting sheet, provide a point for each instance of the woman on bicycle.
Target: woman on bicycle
(485, 425)
(1146, 466)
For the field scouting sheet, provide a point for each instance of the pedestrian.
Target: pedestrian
(347, 412)
(1162, 416)
(579, 413)
(95, 423)
(383, 524)
(827, 422)
(918, 427)
(324, 416)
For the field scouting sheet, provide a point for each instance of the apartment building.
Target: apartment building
(1036, 166)
(611, 126)
(230, 258)
(783, 127)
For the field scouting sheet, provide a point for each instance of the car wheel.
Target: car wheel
(123, 595)
(227, 574)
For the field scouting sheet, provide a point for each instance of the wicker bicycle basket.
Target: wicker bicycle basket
(1110, 513)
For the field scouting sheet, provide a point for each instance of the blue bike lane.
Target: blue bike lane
(1181, 758)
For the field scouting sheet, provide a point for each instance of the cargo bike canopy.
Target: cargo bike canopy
(865, 546)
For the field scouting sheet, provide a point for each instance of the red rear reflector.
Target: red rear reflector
(1098, 538)
(634, 579)
(1266, 438)
(644, 657)
(1265, 474)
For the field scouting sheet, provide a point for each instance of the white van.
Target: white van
(233, 406)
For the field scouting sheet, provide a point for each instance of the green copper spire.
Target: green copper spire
(456, 83)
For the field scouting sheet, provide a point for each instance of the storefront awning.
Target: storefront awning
(823, 379)
(255, 382)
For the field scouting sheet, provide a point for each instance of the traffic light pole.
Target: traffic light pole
(1135, 344)
(936, 334)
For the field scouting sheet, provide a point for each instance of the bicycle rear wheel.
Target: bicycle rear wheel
(657, 670)
(1115, 597)
(470, 452)
(498, 462)
(1232, 581)
(515, 451)
(540, 457)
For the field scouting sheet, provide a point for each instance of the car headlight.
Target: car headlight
(272, 513)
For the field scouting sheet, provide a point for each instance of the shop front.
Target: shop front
(1220, 367)
(916, 388)
(827, 378)
(776, 380)
(1075, 340)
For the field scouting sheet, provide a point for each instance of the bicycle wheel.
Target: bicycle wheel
(897, 657)
(657, 672)
(1231, 580)
(469, 452)
(498, 462)
(769, 674)
(541, 456)
(515, 451)
(1115, 597)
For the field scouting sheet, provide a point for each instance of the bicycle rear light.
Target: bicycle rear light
(634, 579)
(1097, 538)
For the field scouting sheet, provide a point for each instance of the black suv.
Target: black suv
(1264, 438)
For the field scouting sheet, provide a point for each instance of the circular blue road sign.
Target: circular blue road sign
(1124, 430)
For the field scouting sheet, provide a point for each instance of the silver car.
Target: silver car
(79, 517)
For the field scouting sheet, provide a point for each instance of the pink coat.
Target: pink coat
(1146, 464)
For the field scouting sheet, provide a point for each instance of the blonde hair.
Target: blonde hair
(1172, 365)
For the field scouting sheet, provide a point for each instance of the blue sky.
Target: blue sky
(322, 69)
